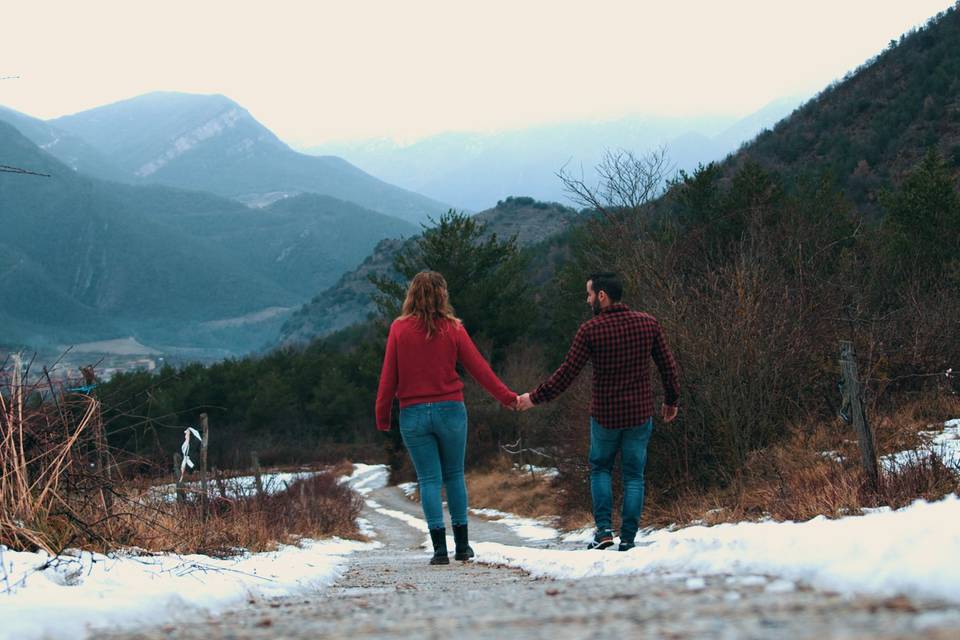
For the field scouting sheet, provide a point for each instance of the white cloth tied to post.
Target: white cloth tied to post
(185, 449)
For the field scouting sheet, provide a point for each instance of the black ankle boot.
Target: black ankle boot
(439, 538)
(463, 551)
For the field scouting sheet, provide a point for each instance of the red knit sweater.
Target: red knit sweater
(417, 369)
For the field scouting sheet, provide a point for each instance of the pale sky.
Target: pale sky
(322, 70)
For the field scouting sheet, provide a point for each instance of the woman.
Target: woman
(419, 368)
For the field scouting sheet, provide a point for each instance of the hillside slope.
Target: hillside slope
(350, 300)
(85, 259)
(210, 143)
(869, 129)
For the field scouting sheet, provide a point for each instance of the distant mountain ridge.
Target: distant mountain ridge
(208, 143)
(350, 300)
(85, 259)
(72, 150)
(476, 169)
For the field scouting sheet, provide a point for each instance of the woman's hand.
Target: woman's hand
(524, 402)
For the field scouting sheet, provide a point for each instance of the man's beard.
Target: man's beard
(595, 307)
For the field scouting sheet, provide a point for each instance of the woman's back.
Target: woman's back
(426, 366)
(418, 368)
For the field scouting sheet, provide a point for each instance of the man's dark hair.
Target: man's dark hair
(609, 283)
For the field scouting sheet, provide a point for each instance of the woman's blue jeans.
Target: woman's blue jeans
(435, 434)
(632, 445)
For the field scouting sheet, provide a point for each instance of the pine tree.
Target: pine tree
(922, 224)
(485, 275)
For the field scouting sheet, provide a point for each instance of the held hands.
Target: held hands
(524, 403)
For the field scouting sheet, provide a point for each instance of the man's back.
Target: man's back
(619, 343)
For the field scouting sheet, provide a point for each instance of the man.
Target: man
(619, 343)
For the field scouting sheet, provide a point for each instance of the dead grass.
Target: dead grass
(313, 507)
(796, 481)
(61, 486)
(504, 488)
(814, 471)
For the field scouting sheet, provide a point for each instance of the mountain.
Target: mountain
(476, 169)
(210, 143)
(85, 259)
(303, 243)
(69, 149)
(350, 300)
(869, 129)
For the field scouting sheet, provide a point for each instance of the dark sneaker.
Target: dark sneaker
(601, 540)
(626, 546)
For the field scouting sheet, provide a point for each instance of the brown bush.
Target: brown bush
(801, 478)
(61, 486)
(501, 486)
(317, 506)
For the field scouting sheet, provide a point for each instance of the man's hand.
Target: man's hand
(524, 402)
(669, 412)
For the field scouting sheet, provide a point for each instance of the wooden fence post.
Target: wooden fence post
(177, 477)
(204, 442)
(257, 480)
(853, 399)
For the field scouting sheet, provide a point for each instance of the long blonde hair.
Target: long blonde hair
(428, 301)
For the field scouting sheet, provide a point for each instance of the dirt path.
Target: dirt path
(392, 593)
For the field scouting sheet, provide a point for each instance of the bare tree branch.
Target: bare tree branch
(8, 169)
(625, 181)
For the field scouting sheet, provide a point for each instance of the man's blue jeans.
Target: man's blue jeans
(632, 445)
(435, 434)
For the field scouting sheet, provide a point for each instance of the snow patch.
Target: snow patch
(526, 528)
(912, 551)
(189, 140)
(367, 478)
(544, 472)
(945, 443)
(64, 597)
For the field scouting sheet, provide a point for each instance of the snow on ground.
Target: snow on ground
(544, 472)
(526, 528)
(912, 551)
(367, 477)
(96, 591)
(945, 443)
(63, 597)
(578, 536)
(408, 488)
(237, 486)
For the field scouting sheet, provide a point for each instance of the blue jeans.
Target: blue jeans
(435, 434)
(632, 445)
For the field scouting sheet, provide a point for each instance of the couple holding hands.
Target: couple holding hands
(419, 368)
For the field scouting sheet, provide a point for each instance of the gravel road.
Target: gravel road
(391, 592)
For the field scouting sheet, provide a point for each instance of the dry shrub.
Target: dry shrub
(802, 478)
(61, 486)
(317, 506)
(897, 428)
(503, 487)
(920, 478)
(52, 465)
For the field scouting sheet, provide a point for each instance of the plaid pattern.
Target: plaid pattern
(619, 343)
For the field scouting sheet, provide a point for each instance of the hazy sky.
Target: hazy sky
(319, 71)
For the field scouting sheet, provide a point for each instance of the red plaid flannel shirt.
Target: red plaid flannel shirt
(619, 343)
